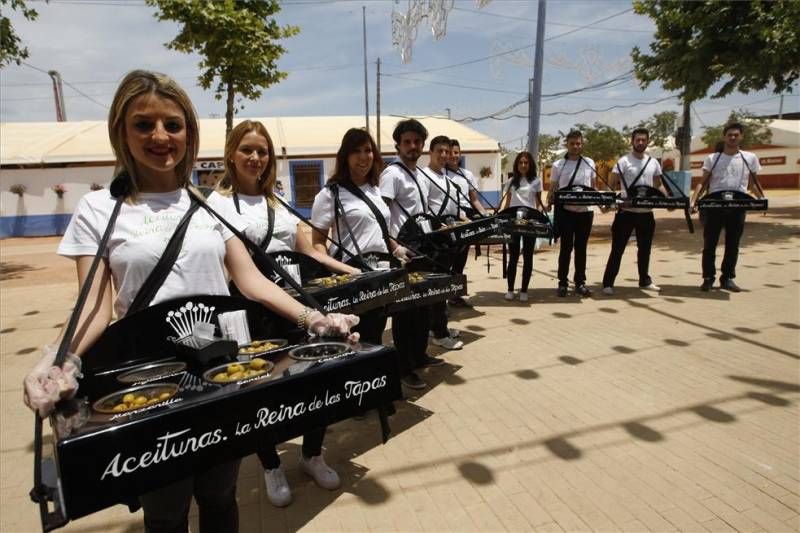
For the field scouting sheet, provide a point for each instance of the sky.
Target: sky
(93, 43)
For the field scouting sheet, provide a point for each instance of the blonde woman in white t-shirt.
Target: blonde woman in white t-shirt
(524, 189)
(248, 189)
(153, 130)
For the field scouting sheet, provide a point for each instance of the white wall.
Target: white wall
(39, 199)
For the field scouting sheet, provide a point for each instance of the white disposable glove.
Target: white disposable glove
(46, 384)
(402, 254)
(332, 325)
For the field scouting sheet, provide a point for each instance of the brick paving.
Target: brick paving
(636, 412)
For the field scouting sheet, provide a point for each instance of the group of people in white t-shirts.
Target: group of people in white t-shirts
(359, 214)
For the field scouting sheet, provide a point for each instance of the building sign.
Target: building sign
(697, 164)
(209, 165)
(774, 160)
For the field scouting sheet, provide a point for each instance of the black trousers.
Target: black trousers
(166, 510)
(732, 221)
(574, 229)
(625, 223)
(438, 324)
(528, 245)
(312, 446)
(460, 261)
(371, 326)
(410, 334)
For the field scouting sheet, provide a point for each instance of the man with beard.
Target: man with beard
(406, 192)
(442, 203)
(632, 170)
(730, 169)
(468, 203)
(574, 222)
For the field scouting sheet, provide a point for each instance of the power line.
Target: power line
(68, 84)
(549, 23)
(513, 50)
(471, 87)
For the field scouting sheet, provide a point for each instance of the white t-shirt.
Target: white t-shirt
(440, 192)
(465, 181)
(358, 215)
(139, 238)
(562, 172)
(399, 187)
(628, 167)
(255, 220)
(525, 194)
(730, 173)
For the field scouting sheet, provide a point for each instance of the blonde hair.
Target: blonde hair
(142, 82)
(229, 183)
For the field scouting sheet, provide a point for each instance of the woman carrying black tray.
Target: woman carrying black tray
(524, 189)
(351, 205)
(247, 189)
(153, 131)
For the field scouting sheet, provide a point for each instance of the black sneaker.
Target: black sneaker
(729, 285)
(562, 291)
(413, 381)
(432, 361)
(707, 284)
(583, 290)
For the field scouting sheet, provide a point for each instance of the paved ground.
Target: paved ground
(629, 413)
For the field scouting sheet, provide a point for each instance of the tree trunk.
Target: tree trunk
(229, 110)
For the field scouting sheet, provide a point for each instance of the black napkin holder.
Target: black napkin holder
(205, 352)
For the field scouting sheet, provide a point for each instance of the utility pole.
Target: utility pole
(58, 93)
(366, 84)
(686, 137)
(535, 85)
(378, 107)
(780, 108)
(448, 112)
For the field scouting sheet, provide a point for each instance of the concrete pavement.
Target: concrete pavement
(637, 412)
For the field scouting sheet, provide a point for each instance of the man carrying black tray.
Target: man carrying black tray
(632, 170)
(406, 193)
(729, 170)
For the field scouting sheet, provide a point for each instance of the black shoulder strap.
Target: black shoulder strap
(752, 174)
(258, 252)
(358, 193)
(574, 172)
(156, 278)
(714, 164)
(264, 244)
(338, 212)
(639, 175)
(414, 179)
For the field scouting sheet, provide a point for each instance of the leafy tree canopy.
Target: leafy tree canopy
(11, 48)
(235, 39)
(548, 145)
(745, 45)
(756, 130)
(661, 126)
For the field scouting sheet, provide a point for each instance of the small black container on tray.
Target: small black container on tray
(204, 352)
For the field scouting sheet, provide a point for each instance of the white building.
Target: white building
(78, 156)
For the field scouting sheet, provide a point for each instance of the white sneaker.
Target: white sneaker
(652, 287)
(523, 296)
(278, 492)
(449, 343)
(454, 333)
(509, 296)
(324, 476)
(608, 291)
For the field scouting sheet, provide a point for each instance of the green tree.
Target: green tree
(602, 142)
(661, 126)
(756, 130)
(236, 41)
(747, 46)
(548, 145)
(11, 48)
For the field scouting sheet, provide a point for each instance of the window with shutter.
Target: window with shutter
(307, 179)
